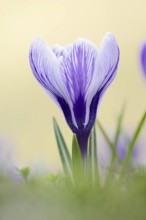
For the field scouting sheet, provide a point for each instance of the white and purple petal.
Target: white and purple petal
(45, 63)
(104, 73)
(45, 67)
(77, 69)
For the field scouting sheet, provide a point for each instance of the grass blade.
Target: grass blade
(116, 138)
(77, 163)
(133, 141)
(63, 150)
(109, 142)
(119, 126)
(92, 158)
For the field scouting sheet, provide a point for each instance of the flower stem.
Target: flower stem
(83, 143)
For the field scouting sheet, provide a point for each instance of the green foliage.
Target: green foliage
(93, 173)
(105, 135)
(133, 141)
(24, 172)
(113, 144)
(79, 194)
(85, 173)
(77, 164)
(63, 151)
(42, 201)
(119, 126)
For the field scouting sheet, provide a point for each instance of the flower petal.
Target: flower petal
(76, 76)
(108, 60)
(45, 67)
(59, 51)
(77, 69)
(104, 73)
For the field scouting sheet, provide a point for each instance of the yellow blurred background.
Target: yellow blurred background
(26, 111)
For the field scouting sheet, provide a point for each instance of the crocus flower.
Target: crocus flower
(143, 58)
(76, 76)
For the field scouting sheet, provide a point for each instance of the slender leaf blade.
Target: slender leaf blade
(77, 163)
(116, 138)
(92, 158)
(133, 141)
(119, 126)
(63, 150)
(109, 142)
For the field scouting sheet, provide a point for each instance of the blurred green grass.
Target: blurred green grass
(51, 198)
(120, 195)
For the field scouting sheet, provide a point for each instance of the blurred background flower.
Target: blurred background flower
(138, 157)
(143, 58)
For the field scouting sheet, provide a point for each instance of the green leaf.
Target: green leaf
(93, 174)
(109, 142)
(133, 141)
(63, 151)
(24, 172)
(77, 163)
(119, 126)
(116, 138)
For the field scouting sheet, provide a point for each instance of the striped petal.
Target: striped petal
(45, 67)
(77, 69)
(45, 64)
(104, 73)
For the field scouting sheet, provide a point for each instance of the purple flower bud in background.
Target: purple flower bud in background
(143, 58)
(122, 147)
(138, 155)
(76, 76)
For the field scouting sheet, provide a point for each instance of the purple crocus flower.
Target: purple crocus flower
(76, 76)
(143, 58)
